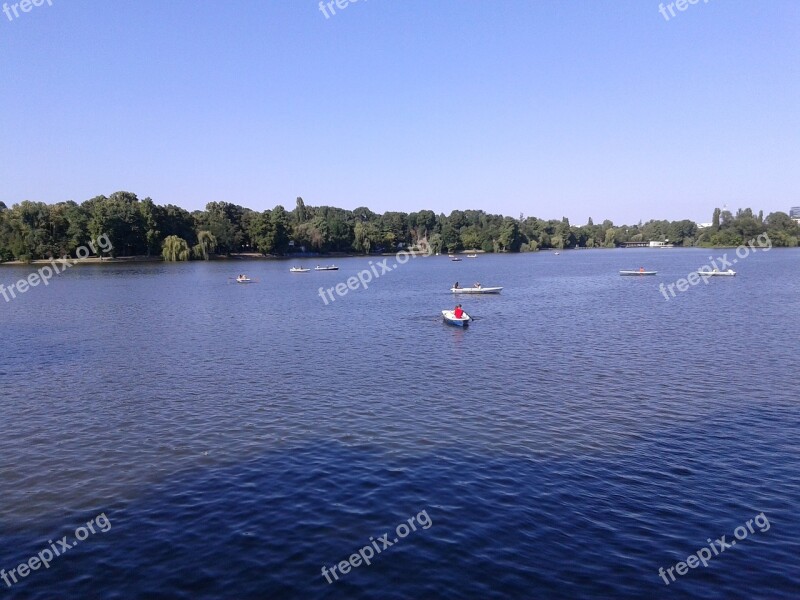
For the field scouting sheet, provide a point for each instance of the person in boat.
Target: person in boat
(477, 285)
(641, 269)
(458, 313)
(455, 287)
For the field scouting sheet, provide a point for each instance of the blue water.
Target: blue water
(582, 433)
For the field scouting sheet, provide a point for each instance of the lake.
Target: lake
(581, 434)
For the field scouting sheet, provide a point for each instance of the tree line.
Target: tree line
(35, 230)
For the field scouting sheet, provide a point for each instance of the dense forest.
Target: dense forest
(35, 230)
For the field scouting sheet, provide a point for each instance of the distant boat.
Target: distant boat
(451, 256)
(243, 279)
(556, 253)
(451, 319)
(299, 270)
(640, 272)
(455, 259)
(328, 268)
(476, 290)
(716, 273)
(472, 256)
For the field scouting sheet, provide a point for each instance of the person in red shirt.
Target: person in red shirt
(458, 313)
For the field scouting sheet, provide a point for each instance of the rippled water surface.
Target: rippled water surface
(582, 433)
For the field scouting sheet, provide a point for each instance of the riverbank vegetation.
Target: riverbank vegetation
(35, 230)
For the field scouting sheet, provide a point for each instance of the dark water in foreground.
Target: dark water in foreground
(581, 434)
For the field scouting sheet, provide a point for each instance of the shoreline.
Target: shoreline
(94, 260)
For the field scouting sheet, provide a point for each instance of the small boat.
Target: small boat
(476, 290)
(472, 256)
(455, 259)
(298, 270)
(328, 268)
(639, 272)
(451, 319)
(556, 253)
(716, 273)
(243, 279)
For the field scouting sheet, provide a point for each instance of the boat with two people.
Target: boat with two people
(243, 279)
(476, 288)
(328, 268)
(299, 270)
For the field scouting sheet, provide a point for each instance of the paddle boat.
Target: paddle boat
(328, 268)
(476, 290)
(717, 273)
(451, 319)
(639, 272)
(298, 270)
(243, 279)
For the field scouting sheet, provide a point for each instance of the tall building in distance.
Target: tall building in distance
(794, 212)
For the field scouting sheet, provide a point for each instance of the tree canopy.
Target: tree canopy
(35, 230)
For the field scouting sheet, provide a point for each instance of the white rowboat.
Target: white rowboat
(476, 290)
(299, 270)
(450, 318)
(728, 273)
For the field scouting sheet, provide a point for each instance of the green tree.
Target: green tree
(279, 222)
(366, 236)
(471, 237)
(508, 240)
(300, 213)
(206, 244)
(175, 249)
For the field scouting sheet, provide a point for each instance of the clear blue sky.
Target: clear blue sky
(560, 108)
